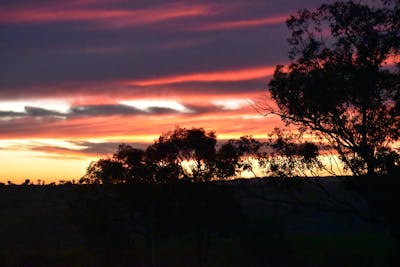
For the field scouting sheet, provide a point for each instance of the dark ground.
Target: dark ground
(237, 223)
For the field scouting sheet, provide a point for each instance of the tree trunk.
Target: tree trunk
(367, 152)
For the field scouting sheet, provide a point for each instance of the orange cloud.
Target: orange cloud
(218, 76)
(138, 128)
(71, 162)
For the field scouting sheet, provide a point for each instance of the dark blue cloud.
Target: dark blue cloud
(63, 55)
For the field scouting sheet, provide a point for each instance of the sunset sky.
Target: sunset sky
(79, 77)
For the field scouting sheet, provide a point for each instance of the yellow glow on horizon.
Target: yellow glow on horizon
(20, 165)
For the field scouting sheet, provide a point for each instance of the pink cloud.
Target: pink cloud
(236, 24)
(217, 76)
(110, 18)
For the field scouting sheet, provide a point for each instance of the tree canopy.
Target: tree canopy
(194, 155)
(190, 152)
(343, 81)
(182, 154)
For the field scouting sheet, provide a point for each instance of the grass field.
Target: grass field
(251, 223)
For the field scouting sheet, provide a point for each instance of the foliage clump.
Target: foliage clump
(343, 82)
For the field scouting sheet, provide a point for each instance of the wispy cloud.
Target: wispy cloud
(105, 17)
(123, 107)
(232, 104)
(238, 24)
(217, 76)
(87, 149)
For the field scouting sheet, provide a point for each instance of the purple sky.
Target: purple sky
(77, 77)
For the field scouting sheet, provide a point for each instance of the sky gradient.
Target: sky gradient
(79, 77)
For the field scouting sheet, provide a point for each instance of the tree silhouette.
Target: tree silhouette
(134, 161)
(290, 157)
(194, 155)
(234, 155)
(104, 171)
(179, 155)
(343, 82)
(187, 154)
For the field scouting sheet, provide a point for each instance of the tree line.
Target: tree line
(195, 155)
